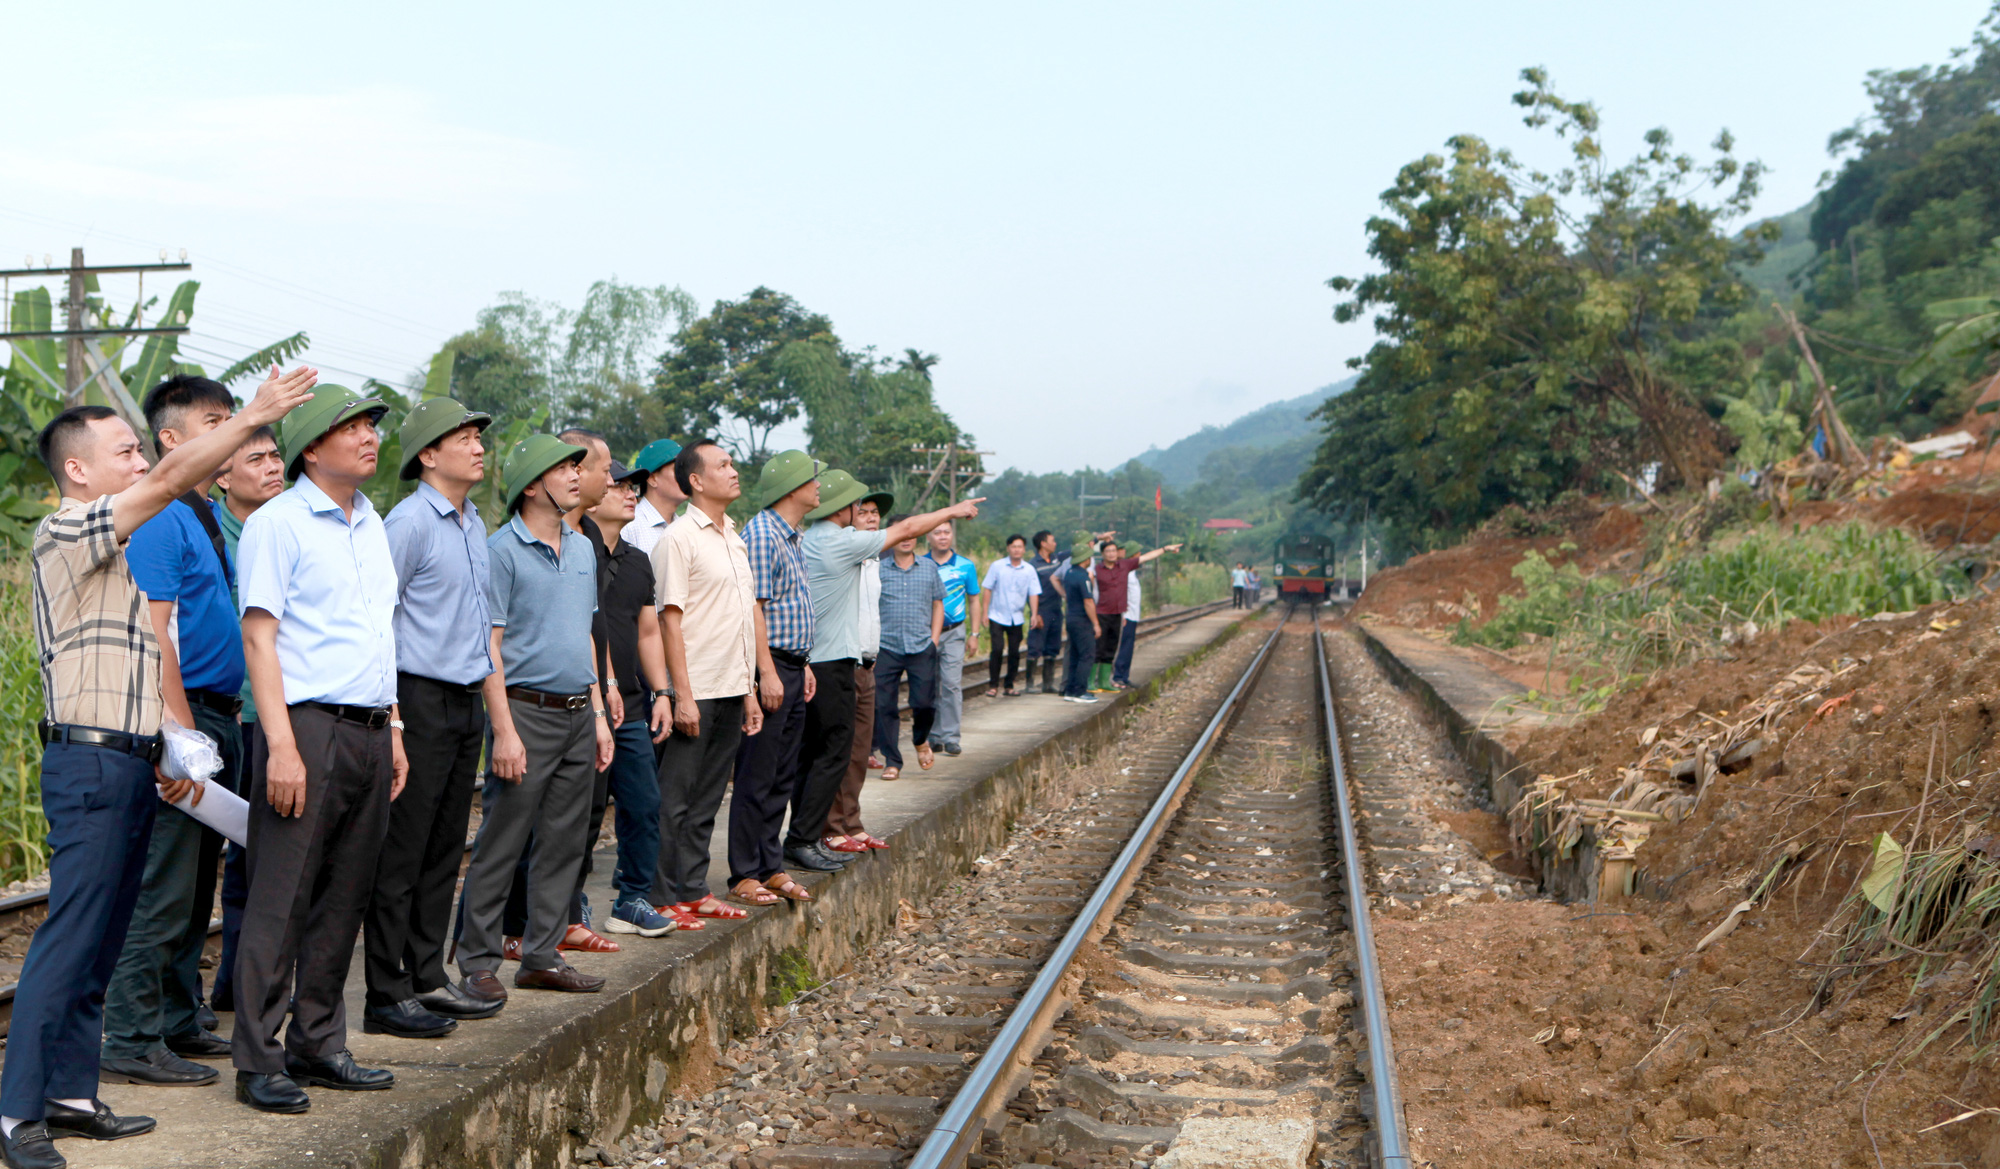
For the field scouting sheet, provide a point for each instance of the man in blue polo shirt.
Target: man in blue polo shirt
(962, 619)
(550, 734)
(178, 558)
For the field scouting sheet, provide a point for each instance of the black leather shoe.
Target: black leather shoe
(204, 1018)
(198, 1045)
(811, 861)
(953, 748)
(160, 1069)
(455, 1002)
(271, 1092)
(338, 1071)
(407, 1020)
(843, 859)
(31, 1147)
(221, 998)
(100, 1124)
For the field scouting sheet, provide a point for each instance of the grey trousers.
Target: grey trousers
(693, 774)
(310, 879)
(951, 686)
(551, 803)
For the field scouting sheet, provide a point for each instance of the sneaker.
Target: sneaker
(634, 915)
(1079, 698)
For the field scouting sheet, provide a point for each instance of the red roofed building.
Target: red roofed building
(1227, 525)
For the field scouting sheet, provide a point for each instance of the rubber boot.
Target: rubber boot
(1049, 681)
(1029, 686)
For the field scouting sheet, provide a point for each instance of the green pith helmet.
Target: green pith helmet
(885, 502)
(432, 420)
(785, 473)
(1081, 547)
(656, 454)
(837, 489)
(330, 406)
(530, 459)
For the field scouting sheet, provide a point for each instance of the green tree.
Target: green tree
(1538, 329)
(726, 373)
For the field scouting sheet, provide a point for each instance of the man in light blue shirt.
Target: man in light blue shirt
(443, 654)
(317, 588)
(836, 556)
(962, 619)
(550, 732)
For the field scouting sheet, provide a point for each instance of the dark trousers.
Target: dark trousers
(1046, 642)
(409, 914)
(693, 773)
(1121, 666)
(1107, 636)
(844, 818)
(155, 989)
(630, 786)
(310, 879)
(544, 815)
(890, 667)
(100, 806)
(235, 890)
(767, 773)
(1082, 653)
(823, 755)
(1010, 636)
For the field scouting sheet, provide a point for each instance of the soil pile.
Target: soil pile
(1543, 1034)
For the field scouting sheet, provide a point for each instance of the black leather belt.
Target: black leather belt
(547, 700)
(867, 663)
(468, 687)
(227, 705)
(146, 747)
(372, 717)
(796, 661)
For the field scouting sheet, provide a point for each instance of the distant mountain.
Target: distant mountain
(1268, 426)
(1786, 258)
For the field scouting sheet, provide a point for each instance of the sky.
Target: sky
(1112, 222)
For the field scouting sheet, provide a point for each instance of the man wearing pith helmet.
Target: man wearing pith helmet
(767, 765)
(437, 541)
(659, 494)
(318, 596)
(550, 732)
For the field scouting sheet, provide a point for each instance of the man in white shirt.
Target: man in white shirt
(1128, 634)
(662, 497)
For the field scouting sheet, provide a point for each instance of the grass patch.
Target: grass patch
(790, 976)
(23, 831)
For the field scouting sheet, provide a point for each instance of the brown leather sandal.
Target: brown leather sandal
(753, 893)
(783, 885)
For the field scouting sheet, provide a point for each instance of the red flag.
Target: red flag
(1156, 500)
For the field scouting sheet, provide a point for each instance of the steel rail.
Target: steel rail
(1391, 1143)
(994, 1077)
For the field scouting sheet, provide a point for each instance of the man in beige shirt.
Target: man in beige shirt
(710, 623)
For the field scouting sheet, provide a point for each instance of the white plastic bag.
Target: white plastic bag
(189, 754)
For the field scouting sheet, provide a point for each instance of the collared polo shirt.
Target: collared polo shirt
(836, 557)
(778, 561)
(1049, 574)
(100, 661)
(703, 569)
(232, 534)
(1008, 587)
(173, 559)
(331, 583)
(1079, 586)
(961, 580)
(443, 627)
(1111, 583)
(908, 595)
(624, 598)
(545, 602)
(647, 525)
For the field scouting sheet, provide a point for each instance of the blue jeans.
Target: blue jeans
(1046, 642)
(635, 807)
(1082, 656)
(1121, 665)
(100, 805)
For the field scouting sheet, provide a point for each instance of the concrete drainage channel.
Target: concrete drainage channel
(1161, 972)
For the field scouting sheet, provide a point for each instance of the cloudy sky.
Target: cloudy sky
(1112, 221)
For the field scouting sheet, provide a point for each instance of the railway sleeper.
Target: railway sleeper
(1266, 969)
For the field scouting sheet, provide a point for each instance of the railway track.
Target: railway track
(976, 672)
(1178, 957)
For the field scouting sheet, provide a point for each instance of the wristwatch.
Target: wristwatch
(395, 724)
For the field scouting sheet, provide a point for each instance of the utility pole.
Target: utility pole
(958, 480)
(83, 358)
(1083, 499)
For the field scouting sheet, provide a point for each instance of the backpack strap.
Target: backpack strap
(206, 514)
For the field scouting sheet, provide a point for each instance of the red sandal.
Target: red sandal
(583, 939)
(871, 841)
(847, 843)
(709, 907)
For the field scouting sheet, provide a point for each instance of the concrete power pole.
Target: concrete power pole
(73, 322)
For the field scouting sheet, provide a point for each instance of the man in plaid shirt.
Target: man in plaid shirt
(767, 765)
(102, 708)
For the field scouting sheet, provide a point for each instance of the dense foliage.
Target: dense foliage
(1540, 331)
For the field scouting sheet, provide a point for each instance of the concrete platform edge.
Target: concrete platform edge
(1497, 769)
(601, 1073)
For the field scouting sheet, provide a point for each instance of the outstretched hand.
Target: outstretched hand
(280, 394)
